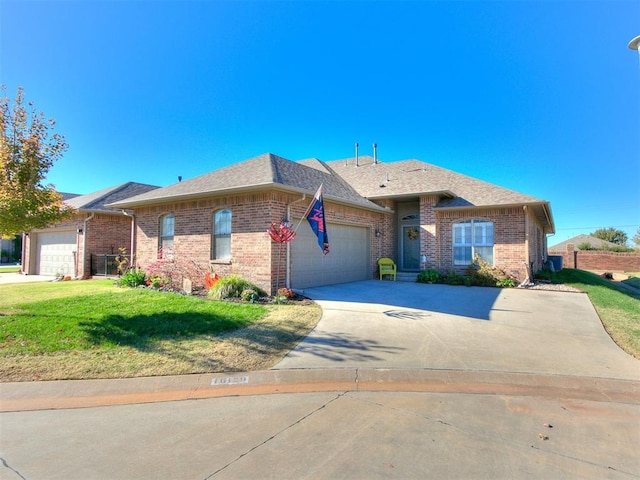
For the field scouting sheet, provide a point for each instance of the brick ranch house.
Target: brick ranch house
(420, 215)
(66, 248)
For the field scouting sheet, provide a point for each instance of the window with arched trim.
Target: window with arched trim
(471, 238)
(221, 241)
(165, 244)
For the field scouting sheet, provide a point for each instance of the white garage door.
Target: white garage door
(55, 253)
(348, 259)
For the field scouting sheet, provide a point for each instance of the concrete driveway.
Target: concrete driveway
(388, 324)
(398, 380)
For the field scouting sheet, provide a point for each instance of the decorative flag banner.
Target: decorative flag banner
(316, 220)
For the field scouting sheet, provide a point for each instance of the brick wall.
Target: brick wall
(254, 256)
(510, 233)
(599, 260)
(105, 233)
(428, 230)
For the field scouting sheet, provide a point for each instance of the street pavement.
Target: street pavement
(398, 380)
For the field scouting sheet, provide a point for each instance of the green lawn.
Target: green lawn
(9, 269)
(93, 329)
(618, 308)
(633, 280)
(109, 319)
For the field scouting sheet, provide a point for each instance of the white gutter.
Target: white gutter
(84, 243)
(133, 234)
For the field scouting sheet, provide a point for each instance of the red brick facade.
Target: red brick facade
(518, 238)
(254, 256)
(105, 234)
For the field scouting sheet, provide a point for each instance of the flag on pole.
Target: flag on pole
(316, 220)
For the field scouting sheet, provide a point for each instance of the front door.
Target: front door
(410, 248)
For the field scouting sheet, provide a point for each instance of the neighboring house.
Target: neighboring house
(420, 215)
(10, 249)
(66, 248)
(583, 241)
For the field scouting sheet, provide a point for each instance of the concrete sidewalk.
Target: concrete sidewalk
(20, 278)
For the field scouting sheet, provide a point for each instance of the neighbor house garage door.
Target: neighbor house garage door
(56, 253)
(347, 261)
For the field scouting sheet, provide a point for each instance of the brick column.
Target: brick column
(428, 230)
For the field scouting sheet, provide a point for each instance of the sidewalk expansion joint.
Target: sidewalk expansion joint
(275, 435)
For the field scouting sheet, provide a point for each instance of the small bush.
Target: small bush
(482, 274)
(453, 278)
(286, 292)
(133, 277)
(232, 287)
(158, 282)
(429, 276)
(249, 295)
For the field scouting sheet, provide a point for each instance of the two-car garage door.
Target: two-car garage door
(56, 253)
(348, 259)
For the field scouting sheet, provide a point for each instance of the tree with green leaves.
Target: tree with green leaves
(28, 149)
(636, 238)
(611, 235)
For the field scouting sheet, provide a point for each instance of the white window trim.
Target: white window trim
(471, 243)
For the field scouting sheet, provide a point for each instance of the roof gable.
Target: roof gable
(97, 201)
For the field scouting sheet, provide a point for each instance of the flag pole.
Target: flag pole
(308, 208)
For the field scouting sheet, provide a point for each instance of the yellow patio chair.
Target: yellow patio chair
(387, 267)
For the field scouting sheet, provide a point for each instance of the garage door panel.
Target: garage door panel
(56, 253)
(347, 260)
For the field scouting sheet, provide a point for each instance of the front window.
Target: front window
(165, 247)
(221, 242)
(472, 238)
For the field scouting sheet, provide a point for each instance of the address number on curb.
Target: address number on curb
(217, 382)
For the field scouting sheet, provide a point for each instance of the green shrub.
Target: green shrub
(158, 282)
(429, 276)
(454, 278)
(232, 286)
(482, 274)
(133, 277)
(249, 295)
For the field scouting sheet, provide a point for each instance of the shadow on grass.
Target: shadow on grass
(142, 331)
(581, 277)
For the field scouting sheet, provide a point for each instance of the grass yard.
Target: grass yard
(618, 308)
(633, 280)
(9, 269)
(93, 329)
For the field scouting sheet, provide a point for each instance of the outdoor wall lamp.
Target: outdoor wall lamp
(378, 233)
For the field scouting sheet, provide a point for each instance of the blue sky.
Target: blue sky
(541, 97)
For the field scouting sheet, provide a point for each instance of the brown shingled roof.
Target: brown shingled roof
(413, 177)
(263, 171)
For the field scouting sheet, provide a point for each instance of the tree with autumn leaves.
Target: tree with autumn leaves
(28, 149)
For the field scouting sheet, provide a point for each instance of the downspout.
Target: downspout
(22, 259)
(84, 243)
(527, 253)
(133, 234)
(287, 280)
